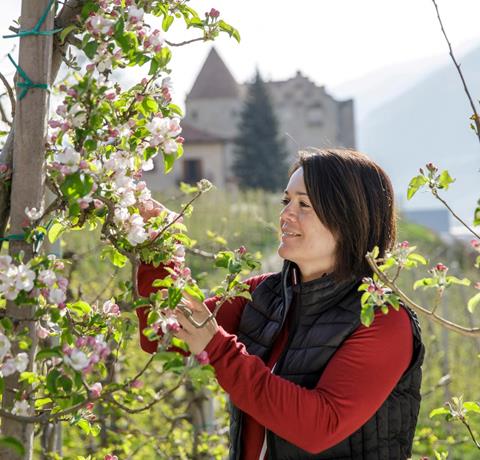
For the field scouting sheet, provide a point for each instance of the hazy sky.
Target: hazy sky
(331, 41)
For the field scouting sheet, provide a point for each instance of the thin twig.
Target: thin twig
(475, 117)
(437, 196)
(187, 42)
(469, 332)
(10, 94)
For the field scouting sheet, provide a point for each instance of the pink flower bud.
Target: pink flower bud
(371, 288)
(54, 123)
(475, 244)
(89, 406)
(90, 67)
(62, 282)
(202, 358)
(242, 250)
(136, 384)
(96, 390)
(477, 285)
(42, 333)
(404, 244)
(97, 203)
(110, 457)
(441, 268)
(72, 92)
(214, 13)
(80, 342)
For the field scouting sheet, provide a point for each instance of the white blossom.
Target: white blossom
(47, 277)
(77, 359)
(5, 262)
(25, 277)
(5, 345)
(100, 24)
(56, 296)
(21, 408)
(33, 213)
(21, 362)
(170, 146)
(70, 158)
(135, 13)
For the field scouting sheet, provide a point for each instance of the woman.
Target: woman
(305, 378)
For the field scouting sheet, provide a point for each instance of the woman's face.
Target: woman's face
(304, 239)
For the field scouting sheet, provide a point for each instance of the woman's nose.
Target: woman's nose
(288, 212)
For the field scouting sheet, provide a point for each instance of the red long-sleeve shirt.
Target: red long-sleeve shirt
(353, 386)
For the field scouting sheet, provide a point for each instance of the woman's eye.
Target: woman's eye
(304, 205)
(285, 202)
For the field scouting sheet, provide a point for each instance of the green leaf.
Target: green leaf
(367, 315)
(439, 411)
(80, 307)
(150, 105)
(90, 49)
(375, 252)
(51, 382)
(117, 259)
(167, 22)
(42, 402)
(455, 280)
(168, 161)
(425, 282)
(66, 383)
(13, 444)
(476, 215)
(471, 406)
(473, 302)
(2, 385)
(415, 184)
(445, 180)
(417, 258)
(55, 231)
(76, 185)
(66, 31)
(195, 292)
(174, 296)
(49, 353)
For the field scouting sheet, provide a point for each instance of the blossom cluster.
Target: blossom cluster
(87, 352)
(11, 364)
(15, 278)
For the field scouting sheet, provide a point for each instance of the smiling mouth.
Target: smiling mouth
(290, 234)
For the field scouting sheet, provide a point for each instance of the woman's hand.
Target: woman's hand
(197, 338)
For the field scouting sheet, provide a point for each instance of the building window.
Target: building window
(192, 170)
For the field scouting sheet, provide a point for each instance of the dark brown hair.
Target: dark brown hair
(353, 198)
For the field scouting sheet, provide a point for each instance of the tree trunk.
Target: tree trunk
(70, 10)
(28, 187)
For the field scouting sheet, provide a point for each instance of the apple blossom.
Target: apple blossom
(24, 279)
(57, 296)
(47, 277)
(5, 345)
(77, 359)
(96, 390)
(42, 333)
(135, 14)
(21, 408)
(33, 213)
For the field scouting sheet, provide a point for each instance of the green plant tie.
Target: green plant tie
(36, 30)
(17, 237)
(26, 84)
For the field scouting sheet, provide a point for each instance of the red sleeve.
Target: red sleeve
(355, 383)
(228, 316)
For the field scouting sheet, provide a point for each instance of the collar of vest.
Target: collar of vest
(315, 295)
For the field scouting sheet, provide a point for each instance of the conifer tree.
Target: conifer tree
(260, 156)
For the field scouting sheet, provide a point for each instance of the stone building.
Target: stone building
(307, 115)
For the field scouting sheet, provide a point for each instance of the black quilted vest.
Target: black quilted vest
(325, 314)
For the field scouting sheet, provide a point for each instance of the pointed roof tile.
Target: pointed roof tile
(214, 80)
